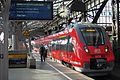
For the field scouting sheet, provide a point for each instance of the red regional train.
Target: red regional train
(84, 47)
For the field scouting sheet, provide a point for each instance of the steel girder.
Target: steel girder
(116, 27)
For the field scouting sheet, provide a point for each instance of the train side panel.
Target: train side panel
(83, 47)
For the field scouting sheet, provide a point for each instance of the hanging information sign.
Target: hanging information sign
(31, 10)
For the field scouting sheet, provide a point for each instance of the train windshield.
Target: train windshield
(93, 36)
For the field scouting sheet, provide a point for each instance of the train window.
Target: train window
(57, 47)
(70, 47)
(62, 47)
(69, 44)
(65, 48)
(62, 43)
(54, 47)
(93, 36)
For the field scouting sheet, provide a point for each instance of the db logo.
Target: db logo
(97, 51)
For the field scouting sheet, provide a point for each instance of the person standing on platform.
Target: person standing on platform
(45, 54)
(42, 51)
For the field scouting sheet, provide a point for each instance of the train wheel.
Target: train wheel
(68, 65)
(72, 67)
(63, 62)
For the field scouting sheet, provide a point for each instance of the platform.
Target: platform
(48, 70)
(52, 70)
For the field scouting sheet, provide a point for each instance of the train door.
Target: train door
(63, 48)
(69, 49)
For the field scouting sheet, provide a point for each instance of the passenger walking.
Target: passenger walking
(42, 51)
(45, 54)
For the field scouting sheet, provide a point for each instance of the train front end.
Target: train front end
(95, 52)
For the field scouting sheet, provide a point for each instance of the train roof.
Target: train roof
(76, 26)
(85, 24)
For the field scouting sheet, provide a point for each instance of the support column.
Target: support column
(117, 22)
(4, 44)
(116, 29)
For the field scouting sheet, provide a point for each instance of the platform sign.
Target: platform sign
(31, 10)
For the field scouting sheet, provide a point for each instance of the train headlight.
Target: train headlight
(86, 49)
(106, 49)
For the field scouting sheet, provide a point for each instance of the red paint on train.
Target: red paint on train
(86, 47)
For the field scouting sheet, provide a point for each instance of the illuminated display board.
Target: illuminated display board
(31, 10)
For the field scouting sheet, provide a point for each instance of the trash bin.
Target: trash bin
(33, 63)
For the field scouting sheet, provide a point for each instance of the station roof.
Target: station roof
(42, 25)
(48, 25)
